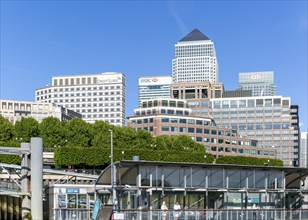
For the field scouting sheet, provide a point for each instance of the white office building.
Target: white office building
(195, 59)
(14, 110)
(152, 87)
(260, 83)
(96, 96)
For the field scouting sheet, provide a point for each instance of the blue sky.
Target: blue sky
(41, 39)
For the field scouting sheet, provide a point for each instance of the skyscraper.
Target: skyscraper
(304, 149)
(150, 87)
(98, 97)
(260, 83)
(195, 59)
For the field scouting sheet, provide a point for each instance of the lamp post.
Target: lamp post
(111, 165)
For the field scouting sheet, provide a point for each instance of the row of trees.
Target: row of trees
(78, 133)
(81, 144)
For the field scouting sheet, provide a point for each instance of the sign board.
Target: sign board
(97, 208)
(159, 80)
(72, 190)
(108, 79)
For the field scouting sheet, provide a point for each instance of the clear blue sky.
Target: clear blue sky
(41, 39)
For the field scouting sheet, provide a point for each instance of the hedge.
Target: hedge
(249, 161)
(97, 157)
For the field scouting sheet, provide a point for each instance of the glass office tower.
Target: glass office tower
(260, 83)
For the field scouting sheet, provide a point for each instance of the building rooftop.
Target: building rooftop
(195, 35)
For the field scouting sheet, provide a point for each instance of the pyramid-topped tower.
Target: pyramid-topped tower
(195, 59)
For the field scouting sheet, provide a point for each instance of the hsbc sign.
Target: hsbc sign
(154, 80)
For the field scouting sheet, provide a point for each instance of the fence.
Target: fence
(209, 214)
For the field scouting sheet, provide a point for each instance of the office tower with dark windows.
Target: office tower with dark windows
(271, 120)
(151, 87)
(195, 59)
(260, 83)
(98, 97)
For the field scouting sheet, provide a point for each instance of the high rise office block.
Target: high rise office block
(151, 87)
(271, 120)
(260, 83)
(96, 96)
(195, 59)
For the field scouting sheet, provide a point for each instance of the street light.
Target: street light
(111, 165)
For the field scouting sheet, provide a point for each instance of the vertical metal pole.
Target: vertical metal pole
(25, 180)
(112, 167)
(37, 178)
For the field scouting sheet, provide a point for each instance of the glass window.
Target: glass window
(82, 201)
(206, 131)
(191, 130)
(191, 121)
(172, 104)
(182, 130)
(260, 177)
(214, 132)
(199, 130)
(215, 178)
(165, 129)
(198, 177)
(180, 104)
(170, 111)
(164, 103)
(179, 112)
(165, 120)
(182, 120)
(198, 122)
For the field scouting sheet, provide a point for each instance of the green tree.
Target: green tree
(161, 142)
(52, 131)
(144, 139)
(78, 133)
(184, 142)
(101, 134)
(26, 128)
(126, 137)
(6, 129)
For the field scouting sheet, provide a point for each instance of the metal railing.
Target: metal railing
(217, 214)
(208, 214)
(73, 214)
(10, 186)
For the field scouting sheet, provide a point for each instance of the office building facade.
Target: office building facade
(98, 97)
(195, 59)
(174, 117)
(260, 83)
(15, 110)
(268, 119)
(303, 149)
(151, 87)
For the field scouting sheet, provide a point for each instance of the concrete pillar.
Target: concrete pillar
(25, 181)
(10, 207)
(37, 178)
(5, 207)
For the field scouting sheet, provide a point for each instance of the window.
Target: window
(191, 130)
(182, 121)
(165, 120)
